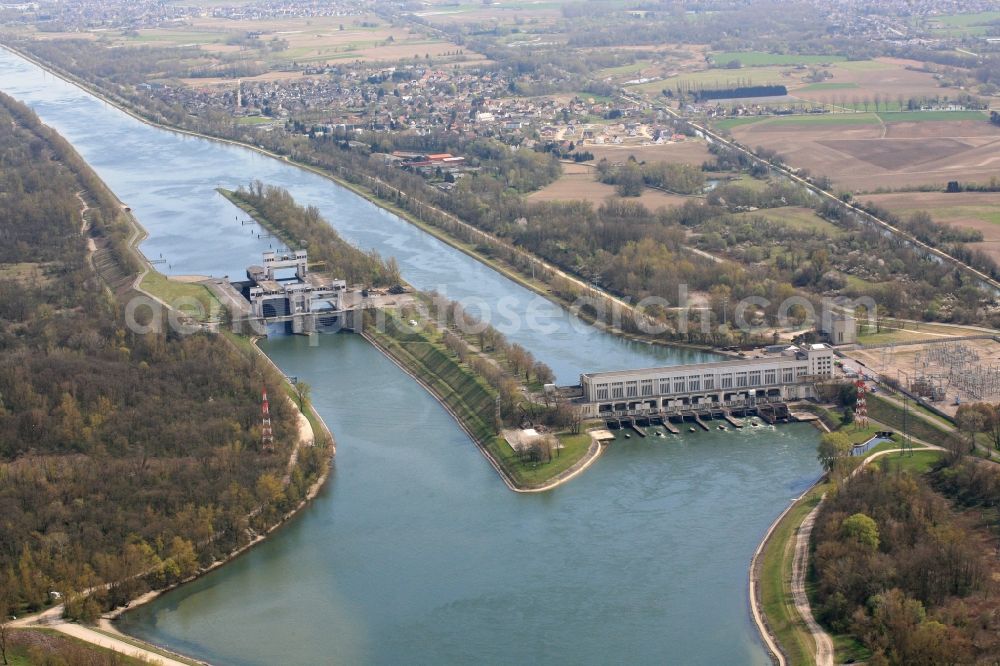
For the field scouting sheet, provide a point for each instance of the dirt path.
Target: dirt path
(97, 638)
(306, 438)
(800, 565)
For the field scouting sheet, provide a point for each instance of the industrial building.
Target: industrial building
(307, 301)
(839, 329)
(788, 374)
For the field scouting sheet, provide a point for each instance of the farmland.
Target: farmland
(689, 152)
(759, 58)
(577, 182)
(862, 153)
(969, 210)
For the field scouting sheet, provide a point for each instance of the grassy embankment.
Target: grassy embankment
(775, 569)
(29, 647)
(421, 351)
(183, 296)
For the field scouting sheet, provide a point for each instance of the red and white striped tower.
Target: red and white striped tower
(266, 434)
(861, 408)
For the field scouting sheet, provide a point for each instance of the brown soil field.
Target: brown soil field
(210, 82)
(577, 183)
(309, 40)
(866, 156)
(888, 77)
(686, 152)
(497, 13)
(970, 210)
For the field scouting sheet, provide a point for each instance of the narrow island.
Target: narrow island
(493, 388)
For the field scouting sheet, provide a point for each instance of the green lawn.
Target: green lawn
(722, 78)
(775, 579)
(918, 462)
(182, 295)
(762, 59)
(794, 217)
(536, 474)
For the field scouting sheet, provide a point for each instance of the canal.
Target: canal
(416, 551)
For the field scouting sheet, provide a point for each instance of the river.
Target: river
(415, 551)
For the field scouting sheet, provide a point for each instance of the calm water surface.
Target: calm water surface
(416, 552)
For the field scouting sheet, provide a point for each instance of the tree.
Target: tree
(973, 418)
(629, 180)
(861, 529)
(302, 390)
(995, 427)
(5, 594)
(543, 373)
(833, 448)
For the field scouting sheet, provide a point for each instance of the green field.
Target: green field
(853, 118)
(958, 25)
(760, 58)
(730, 123)
(182, 295)
(721, 78)
(828, 86)
(795, 217)
(531, 474)
(622, 70)
(179, 37)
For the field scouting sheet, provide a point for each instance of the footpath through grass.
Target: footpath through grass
(775, 581)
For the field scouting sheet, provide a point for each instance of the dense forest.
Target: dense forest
(125, 459)
(903, 563)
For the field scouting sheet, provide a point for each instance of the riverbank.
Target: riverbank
(777, 579)
(482, 434)
(547, 288)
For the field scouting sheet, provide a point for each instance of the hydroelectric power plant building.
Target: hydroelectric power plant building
(786, 374)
